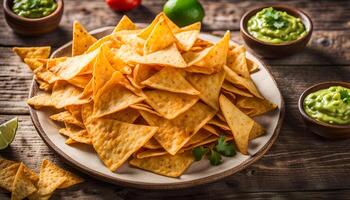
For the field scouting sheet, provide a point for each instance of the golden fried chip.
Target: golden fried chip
(125, 24)
(116, 141)
(52, 62)
(76, 133)
(81, 80)
(173, 134)
(186, 39)
(7, 176)
(169, 104)
(252, 66)
(256, 131)
(211, 129)
(142, 73)
(208, 86)
(75, 110)
(169, 56)
(160, 38)
(32, 52)
(201, 135)
(34, 63)
(255, 106)
(167, 165)
(70, 141)
(82, 40)
(170, 79)
(209, 140)
(145, 107)
(114, 97)
(150, 153)
(67, 117)
(44, 74)
(43, 85)
(22, 185)
(65, 94)
(147, 31)
(231, 88)
(128, 115)
(192, 27)
(236, 60)
(219, 123)
(246, 83)
(152, 144)
(41, 100)
(5, 163)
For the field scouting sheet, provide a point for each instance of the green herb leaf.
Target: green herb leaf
(214, 158)
(225, 148)
(199, 152)
(279, 24)
(345, 95)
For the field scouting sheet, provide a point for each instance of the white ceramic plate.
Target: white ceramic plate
(85, 159)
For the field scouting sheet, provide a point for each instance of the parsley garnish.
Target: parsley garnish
(222, 148)
(345, 95)
(274, 19)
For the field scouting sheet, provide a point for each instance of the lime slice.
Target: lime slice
(8, 132)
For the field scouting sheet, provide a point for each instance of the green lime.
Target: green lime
(8, 132)
(184, 12)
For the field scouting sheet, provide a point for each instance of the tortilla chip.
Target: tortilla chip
(150, 153)
(117, 63)
(152, 144)
(246, 83)
(209, 140)
(255, 106)
(114, 97)
(256, 131)
(86, 115)
(186, 39)
(231, 88)
(239, 123)
(236, 60)
(74, 66)
(81, 80)
(7, 176)
(169, 56)
(76, 133)
(46, 75)
(174, 134)
(167, 165)
(43, 85)
(32, 52)
(144, 107)
(169, 104)
(141, 73)
(103, 71)
(211, 129)
(70, 141)
(252, 66)
(22, 185)
(208, 86)
(82, 40)
(5, 163)
(219, 123)
(65, 94)
(75, 110)
(160, 38)
(41, 100)
(125, 24)
(192, 27)
(171, 80)
(201, 135)
(128, 115)
(34, 63)
(67, 117)
(52, 62)
(213, 59)
(116, 141)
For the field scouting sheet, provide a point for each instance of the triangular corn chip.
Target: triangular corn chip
(239, 123)
(201, 135)
(252, 66)
(141, 73)
(147, 31)
(22, 185)
(214, 58)
(192, 27)
(5, 163)
(46, 75)
(174, 134)
(67, 117)
(169, 104)
(41, 100)
(128, 115)
(32, 52)
(231, 88)
(52, 62)
(167, 165)
(74, 66)
(169, 56)
(160, 38)
(254, 106)
(116, 141)
(65, 94)
(34, 63)
(76, 133)
(208, 86)
(211, 129)
(236, 60)
(7, 176)
(43, 85)
(256, 131)
(82, 40)
(152, 144)
(248, 84)
(171, 80)
(81, 80)
(114, 97)
(144, 107)
(186, 39)
(125, 24)
(150, 153)
(219, 123)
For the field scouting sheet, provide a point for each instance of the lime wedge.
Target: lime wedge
(8, 132)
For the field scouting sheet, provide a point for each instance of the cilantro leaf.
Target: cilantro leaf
(345, 95)
(279, 24)
(214, 158)
(199, 152)
(225, 148)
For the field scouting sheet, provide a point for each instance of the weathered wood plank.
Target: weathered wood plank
(220, 15)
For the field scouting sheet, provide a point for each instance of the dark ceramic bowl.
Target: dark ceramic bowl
(323, 129)
(27, 26)
(269, 50)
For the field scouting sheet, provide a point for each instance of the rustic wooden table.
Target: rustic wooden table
(300, 165)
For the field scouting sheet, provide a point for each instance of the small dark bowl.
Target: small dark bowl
(269, 50)
(321, 128)
(27, 26)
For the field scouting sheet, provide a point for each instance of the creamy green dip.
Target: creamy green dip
(330, 105)
(273, 26)
(34, 8)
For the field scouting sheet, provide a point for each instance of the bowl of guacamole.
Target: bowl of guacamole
(325, 109)
(33, 17)
(276, 31)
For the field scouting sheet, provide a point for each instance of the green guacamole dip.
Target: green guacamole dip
(273, 26)
(330, 105)
(34, 8)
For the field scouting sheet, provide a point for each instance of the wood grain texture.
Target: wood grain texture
(300, 165)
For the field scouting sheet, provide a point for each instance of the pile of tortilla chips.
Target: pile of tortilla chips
(152, 94)
(23, 182)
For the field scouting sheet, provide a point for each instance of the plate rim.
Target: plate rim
(176, 185)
